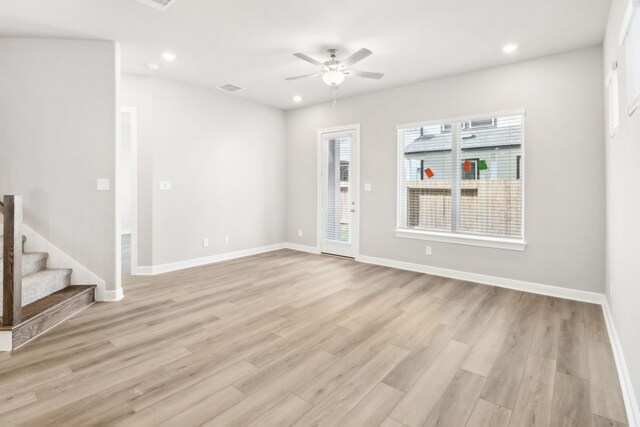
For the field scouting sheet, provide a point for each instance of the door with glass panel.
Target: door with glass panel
(338, 175)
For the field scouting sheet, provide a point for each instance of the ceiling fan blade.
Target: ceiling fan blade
(356, 57)
(308, 59)
(303, 77)
(365, 74)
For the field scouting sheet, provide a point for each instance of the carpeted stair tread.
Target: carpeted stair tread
(32, 262)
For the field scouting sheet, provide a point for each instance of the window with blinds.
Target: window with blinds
(631, 41)
(463, 177)
(337, 190)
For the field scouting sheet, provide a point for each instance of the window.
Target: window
(344, 171)
(475, 124)
(462, 178)
(614, 109)
(470, 169)
(631, 39)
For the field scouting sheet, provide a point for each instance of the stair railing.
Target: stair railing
(12, 259)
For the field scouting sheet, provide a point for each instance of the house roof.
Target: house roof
(507, 133)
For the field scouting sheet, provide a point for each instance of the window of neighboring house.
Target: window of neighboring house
(473, 172)
(631, 38)
(469, 124)
(439, 192)
(344, 171)
(476, 124)
(614, 109)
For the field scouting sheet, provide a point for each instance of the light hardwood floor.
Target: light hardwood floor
(288, 338)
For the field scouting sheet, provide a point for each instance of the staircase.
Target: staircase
(36, 298)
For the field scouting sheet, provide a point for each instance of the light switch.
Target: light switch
(102, 184)
(164, 185)
(367, 187)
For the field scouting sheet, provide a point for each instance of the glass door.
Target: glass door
(338, 201)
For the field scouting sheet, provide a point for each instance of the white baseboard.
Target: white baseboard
(302, 248)
(630, 402)
(142, 270)
(111, 295)
(196, 262)
(520, 285)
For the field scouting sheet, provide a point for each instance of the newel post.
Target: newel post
(12, 259)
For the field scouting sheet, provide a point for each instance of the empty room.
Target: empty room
(319, 213)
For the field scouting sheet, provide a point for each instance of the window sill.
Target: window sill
(464, 239)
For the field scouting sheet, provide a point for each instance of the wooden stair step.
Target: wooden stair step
(45, 313)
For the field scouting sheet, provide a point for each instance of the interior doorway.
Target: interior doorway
(339, 190)
(127, 190)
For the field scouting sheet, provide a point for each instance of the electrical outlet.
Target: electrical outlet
(299, 233)
(611, 292)
(226, 239)
(428, 250)
(205, 242)
(102, 184)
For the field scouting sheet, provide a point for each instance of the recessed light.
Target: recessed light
(169, 56)
(297, 98)
(153, 67)
(510, 48)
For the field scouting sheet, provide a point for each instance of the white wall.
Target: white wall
(565, 189)
(225, 158)
(57, 136)
(623, 207)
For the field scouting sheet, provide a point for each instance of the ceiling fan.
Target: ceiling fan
(334, 71)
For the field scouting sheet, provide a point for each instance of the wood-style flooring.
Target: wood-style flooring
(289, 338)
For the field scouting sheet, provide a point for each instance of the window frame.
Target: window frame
(515, 244)
(632, 8)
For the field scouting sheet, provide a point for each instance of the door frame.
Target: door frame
(133, 112)
(355, 195)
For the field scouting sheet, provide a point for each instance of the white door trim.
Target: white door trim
(133, 111)
(355, 169)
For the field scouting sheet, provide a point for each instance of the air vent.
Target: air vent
(158, 4)
(229, 87)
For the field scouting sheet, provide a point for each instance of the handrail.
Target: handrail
(12, 259)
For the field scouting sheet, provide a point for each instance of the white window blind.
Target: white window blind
(632, 48)
(338, 192)
(463, 177)
(614, 108)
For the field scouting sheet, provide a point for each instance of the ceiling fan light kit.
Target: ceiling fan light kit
(334, 71)
(333, 77)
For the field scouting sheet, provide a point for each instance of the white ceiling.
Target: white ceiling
(250, 43)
